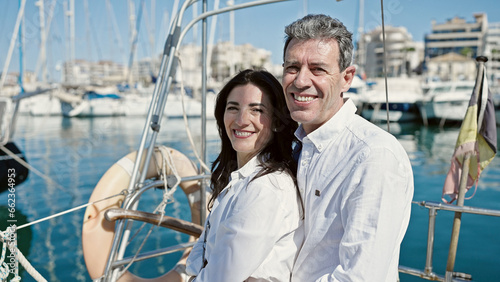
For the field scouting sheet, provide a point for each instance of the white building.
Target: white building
(82, 72)
(451, 67)
(492, 51)
(226, 60)
(403, 54)
(457, 36)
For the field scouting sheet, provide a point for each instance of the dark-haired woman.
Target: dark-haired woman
(252, 232)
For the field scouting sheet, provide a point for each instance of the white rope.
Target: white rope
(138, 250)
(188, 130)
(18, 255)
(29, 268)
(4, 268)
(31, 168)
(123, 192)
(166, 162)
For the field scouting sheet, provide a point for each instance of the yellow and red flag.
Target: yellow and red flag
(478, 135)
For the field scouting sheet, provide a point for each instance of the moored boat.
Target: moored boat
(403, 94)
(93, 104)
(445, 101)
(118, 262)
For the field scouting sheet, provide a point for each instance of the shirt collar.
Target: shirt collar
(246, 170)
(329, 130)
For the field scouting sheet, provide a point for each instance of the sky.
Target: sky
(104, 34)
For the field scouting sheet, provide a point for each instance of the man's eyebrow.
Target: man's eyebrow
(321, 63)
(314, 64)
(294, 62)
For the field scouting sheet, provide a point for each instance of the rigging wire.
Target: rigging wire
(385, 66)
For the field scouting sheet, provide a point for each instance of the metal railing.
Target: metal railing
(152, 127)
(434, 207)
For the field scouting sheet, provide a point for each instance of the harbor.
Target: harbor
(71, 133)
(64, 150)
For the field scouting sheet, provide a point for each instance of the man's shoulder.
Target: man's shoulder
(370, 133)
(367, 138)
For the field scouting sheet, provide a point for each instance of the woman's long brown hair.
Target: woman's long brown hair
(277, 154)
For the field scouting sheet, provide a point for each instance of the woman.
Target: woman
(252, 232)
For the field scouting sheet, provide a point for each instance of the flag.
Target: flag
(478, 135)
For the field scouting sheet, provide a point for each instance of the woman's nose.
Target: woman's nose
(242, 118)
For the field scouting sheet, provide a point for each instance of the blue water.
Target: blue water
(72, 155)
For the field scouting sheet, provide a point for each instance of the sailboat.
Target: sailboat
(126, 182)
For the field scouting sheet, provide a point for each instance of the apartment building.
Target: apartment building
(80, 72)
(464, 41)
(225, 60)
(492, 51)
(456, 35)
(403, 54)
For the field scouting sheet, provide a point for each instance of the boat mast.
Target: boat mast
(71, 16)
(152, 32)
(43, 53)
(12, 42)
(21, 52)
(116, 30)
(232, 68)
(134, 28)
(361, 50)
(211, 39)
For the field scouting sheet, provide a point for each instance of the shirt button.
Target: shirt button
(304, 162)
(320, 147)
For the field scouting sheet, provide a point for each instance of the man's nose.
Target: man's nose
(303, 79)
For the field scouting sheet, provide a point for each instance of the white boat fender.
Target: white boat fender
(97, 232)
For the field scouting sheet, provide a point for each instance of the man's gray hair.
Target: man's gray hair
(322, 27)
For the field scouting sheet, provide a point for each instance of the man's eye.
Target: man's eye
(291, 69)
(318, 71)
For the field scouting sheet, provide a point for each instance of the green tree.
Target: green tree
(466, 51)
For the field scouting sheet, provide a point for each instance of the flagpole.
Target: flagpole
(463, 186)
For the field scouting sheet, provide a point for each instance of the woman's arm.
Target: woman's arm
(247, 235)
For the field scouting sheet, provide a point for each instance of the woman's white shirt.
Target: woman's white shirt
(253, 230)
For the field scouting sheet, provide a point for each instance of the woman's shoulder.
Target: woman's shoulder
(280, 180)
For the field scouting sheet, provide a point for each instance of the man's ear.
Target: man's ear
(349, 73)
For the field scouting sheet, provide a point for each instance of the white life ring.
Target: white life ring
(97, 232)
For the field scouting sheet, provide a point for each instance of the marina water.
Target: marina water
(69, 156)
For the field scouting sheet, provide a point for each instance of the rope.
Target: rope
(123, 192)
(4, 268)
(138, 250)
(385, 67)
(167, 194)
(167, 162)
(28, 166)
(188, 131)
(4, 237)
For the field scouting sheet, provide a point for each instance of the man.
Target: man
(356, 179)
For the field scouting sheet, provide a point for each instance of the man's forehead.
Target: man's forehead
(320, 45)
(316, 52)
